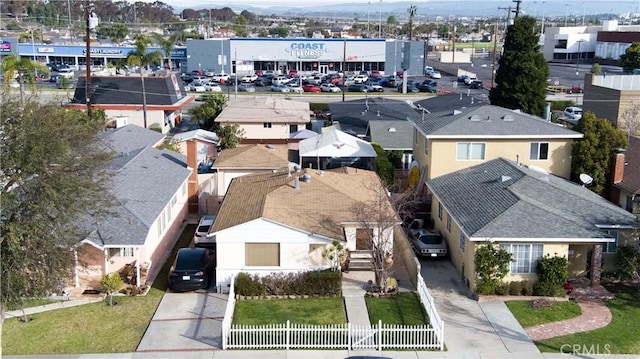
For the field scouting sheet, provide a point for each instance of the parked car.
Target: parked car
(462, 78)
(249, 78)
(357, 88)
(435, 75)
(212, 87)
(430, 82)
(476, 84)
(469, 79)
(575, 89)
(244, 87)
(195, 87)
(329, 88)
(572, 112)
(221, 77)
(373, 87)
(389, 81)
(360, 79)
(411, 87)
(200, 235)
(427, 243)
(427, 88)
(209, 72)
(311, 88)
(293, 87)
(281, 80)
(279, 88)
(314, 80)
(265, 80)
(293, 73)
(192, 269)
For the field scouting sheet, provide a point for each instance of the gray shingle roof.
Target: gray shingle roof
(144, 183)
(488, 121)
(129, 138)
(392, 134)
(501, 200)
(127, 90)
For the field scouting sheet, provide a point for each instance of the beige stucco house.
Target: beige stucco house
(282, 221)
(451, 140)
(528, 213)
(267, 120)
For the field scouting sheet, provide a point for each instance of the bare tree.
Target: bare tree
(631, 119)
(378, 217)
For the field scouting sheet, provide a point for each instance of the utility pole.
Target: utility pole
(344, 69)
(87, 89)
(517, 6)
(495, 49)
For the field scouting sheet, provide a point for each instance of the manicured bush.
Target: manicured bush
(527, 287)
(552, 275)
(492, 265)
(515, 288)
(627, 261)
(321, 283)
(248, 285)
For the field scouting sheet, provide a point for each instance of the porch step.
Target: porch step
(360, 264)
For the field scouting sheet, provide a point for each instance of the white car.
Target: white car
(371, 87)
(195, 87)
(573, 113)
(360, 79)
(212, 87)
(249, 78)
(280, 80)
(200, 237)
(470, 79)
(294, 88)
(435, 75)
(329, 88)
(220, 77)
(279, 88)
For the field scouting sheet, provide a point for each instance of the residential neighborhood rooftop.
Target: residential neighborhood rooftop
(253, 156)
(253, 109)
(500, 199)
(631, 179)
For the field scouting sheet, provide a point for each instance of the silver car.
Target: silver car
(429, 243)
(200, 237)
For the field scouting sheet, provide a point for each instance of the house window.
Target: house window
(293, 128)
(262, 254)
(611, 247)
(470, 151)
(363, 239)
(539, 151)
(266, 124)
(525, 257)
(440, 211)
(462, 242)
(449, 222)
(122, 252)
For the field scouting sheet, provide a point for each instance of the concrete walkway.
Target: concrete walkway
(53, 306)
(354, 285)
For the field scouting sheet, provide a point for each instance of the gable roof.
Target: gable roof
(335, 143)
(127, 90)
(198, 134)
(488, 121)
(355, 115)
(499, 200)
(129, 138)
(254, 157)
(631, 177)
(303, 134)
(392, 134)
(145, 181)
(255, 109)
(319, 206)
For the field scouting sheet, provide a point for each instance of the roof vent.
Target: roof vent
(507, 118)
(378, 113)
(456, 112)
(306, 178)
(474, 118)
(504, 179)
(269, 147)
(391, 129)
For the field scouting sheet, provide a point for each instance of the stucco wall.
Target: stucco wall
(155, 118)
(254, 131)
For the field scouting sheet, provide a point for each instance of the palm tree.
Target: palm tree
(167, 45)
(413, 11)
(142, 57)
(21, 69)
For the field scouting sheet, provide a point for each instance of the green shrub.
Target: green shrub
(515, 288)
(324, 283)
(560, 105)
(527, 287)
(552, 275)
(492, 265)
(249, 286)
(627, 262)
(502, 289)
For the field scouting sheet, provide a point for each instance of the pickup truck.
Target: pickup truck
(426, 242)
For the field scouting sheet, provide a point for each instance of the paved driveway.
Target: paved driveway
(186, 321)
(485, 327)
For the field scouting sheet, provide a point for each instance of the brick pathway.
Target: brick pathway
(595, 314)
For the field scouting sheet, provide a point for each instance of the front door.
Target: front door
(324, 69)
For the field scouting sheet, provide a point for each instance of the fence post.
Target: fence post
(349, 336)
(224, 336)
(441, 335)
(379, 335)
(288, 333)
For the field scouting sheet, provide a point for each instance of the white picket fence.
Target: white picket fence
(430, 306)
(337, 336)
(228, 313)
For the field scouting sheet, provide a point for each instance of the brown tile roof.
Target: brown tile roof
(253, 156)
(319, 206)
(253, 109)
(631, 178)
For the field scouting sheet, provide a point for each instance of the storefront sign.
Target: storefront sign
(48, 50)
(307, 50)
(103, 51)
(5, 46)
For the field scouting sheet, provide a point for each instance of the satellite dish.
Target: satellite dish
(585, 179)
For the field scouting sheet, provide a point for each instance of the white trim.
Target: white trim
(541, 240)
(498, 137)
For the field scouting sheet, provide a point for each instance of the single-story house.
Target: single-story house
(281, 221)
(150, 187)
(121, 97)
(530, 213)
(266, 120)
(333, 149)
(626, 177)
(207, 144)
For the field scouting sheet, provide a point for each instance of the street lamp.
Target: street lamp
(579, 56)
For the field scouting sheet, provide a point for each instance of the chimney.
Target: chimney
(192, 185)
(618, 165)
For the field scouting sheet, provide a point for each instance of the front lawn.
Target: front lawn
(621, 336)
(529, 316)
(90, 328)
(403, 309)
(319, 311)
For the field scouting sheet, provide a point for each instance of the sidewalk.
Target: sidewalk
(47, 307)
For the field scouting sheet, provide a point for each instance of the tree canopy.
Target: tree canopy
(230, 135)
(592, 155)
(53, 177)
(521, 79)
(631, 58)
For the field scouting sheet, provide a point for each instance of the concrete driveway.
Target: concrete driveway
(186, 321)
(472, 327)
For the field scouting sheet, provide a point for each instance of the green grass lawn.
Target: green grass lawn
(403, 309)
(621, 336)
(90, 328)
(528, 316)
(320, 311)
